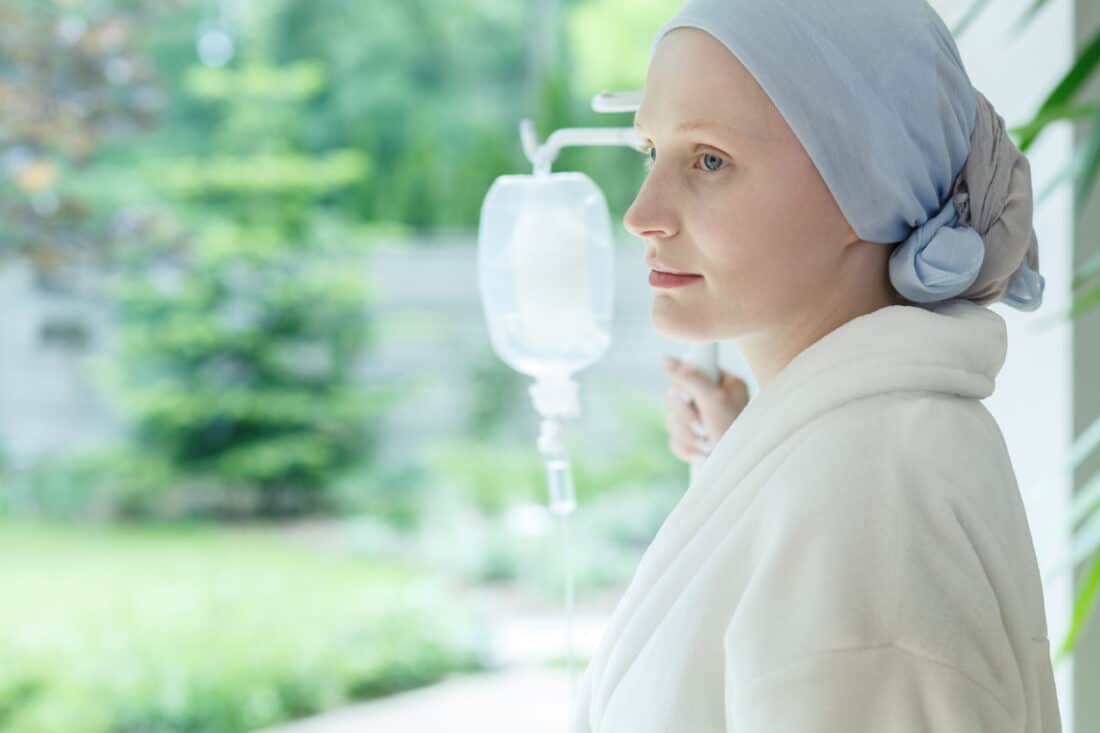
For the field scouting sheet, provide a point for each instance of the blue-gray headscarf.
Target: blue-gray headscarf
(913, 154)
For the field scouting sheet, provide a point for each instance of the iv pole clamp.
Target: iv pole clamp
(555, 398)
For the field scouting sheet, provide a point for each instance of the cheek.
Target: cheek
(792, 208)
(805, 204)
(763, 244)
(745, 237)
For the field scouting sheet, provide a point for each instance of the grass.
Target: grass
(206, 630)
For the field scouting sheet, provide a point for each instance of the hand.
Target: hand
(695, 424)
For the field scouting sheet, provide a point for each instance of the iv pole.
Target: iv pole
(703, 355)
(558, 400)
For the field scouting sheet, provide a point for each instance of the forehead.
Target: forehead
(701, 124)
(695, 83)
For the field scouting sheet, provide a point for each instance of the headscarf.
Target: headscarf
(914, 155)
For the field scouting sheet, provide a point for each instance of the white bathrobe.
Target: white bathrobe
(853, 557)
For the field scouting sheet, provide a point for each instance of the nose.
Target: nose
(649, 215)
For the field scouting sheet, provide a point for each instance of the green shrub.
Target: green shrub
(392, 492)
(241, 373)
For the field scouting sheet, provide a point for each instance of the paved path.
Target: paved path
(526, 697)
(520, 700)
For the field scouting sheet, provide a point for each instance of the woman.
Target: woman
(853, 556)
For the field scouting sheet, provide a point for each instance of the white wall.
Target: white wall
(50, 403)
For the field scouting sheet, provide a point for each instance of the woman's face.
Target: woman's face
(738, 201)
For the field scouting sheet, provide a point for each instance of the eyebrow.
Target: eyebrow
(698, 124)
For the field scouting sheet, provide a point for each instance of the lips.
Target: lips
(660, 279)
(655, 264)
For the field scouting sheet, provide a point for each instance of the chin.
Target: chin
(681, 328)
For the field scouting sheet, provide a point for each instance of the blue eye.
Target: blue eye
(711, 156)
(711, 162)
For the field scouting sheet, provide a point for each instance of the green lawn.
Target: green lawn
(206, 629)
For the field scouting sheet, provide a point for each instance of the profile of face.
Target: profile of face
(732, 195)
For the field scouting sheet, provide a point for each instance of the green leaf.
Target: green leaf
(295, 82)
(1084, 302)
(1086, 541)
(1084, 445)
(1085, 500)
(260, 173)
(1069, 171)
(1091, 162)
(969, 17)
(1083, 165)
(1082, 609)
(1025, 19)
(1054, 114)
(1087, 271)
(1070, 84)
(1081, 449)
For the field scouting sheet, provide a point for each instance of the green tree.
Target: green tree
(239, 341)
(434, 99)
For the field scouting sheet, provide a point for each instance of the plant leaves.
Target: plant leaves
(1082, 609)
(1084, 302)
(1087, 271)
(1086, 541)
(1054, 114)
(1084, 500)
(1025, 19)
(969, 17)
(1082, 448)
(1082, 166)
(1081, 71)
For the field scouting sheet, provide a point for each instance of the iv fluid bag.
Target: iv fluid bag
(545, 272)
(550, 271)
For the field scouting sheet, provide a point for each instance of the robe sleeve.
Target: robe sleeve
(866, 690)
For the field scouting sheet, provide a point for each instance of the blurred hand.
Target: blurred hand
(695, 424)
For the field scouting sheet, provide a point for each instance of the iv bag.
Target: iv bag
(545, 270)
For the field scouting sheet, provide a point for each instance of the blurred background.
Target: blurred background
(260, 468)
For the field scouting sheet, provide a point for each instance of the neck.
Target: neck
(769, 349)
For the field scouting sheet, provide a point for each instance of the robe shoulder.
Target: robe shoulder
(871, 535)
(951, 442)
